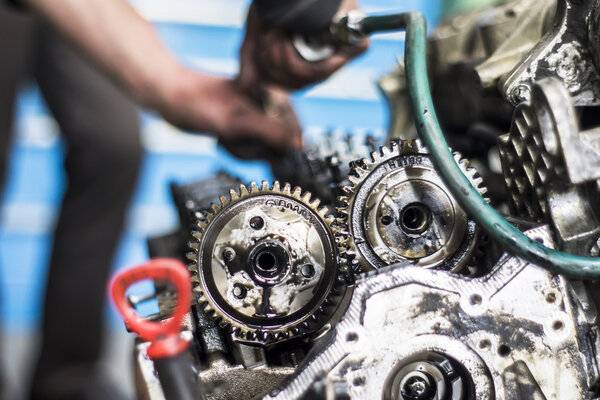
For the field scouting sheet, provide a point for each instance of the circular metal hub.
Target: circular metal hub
(428, 376)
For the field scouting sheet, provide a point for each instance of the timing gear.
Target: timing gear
(398, 209)
(265, 263)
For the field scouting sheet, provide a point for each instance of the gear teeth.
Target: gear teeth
(360, 172)
(386, 151)
(322, 211)
(233, 195)
(287, 189)
(306, 198)
(355, 180)
(214, 208)
(254, 188)
(265, 186)
(375, 156)
(222, 324)
(191, 256)
(297, 193)
(315, 204)
(224, 201)
(276, 187)
(243, 191)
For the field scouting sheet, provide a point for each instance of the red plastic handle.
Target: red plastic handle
(164, 336)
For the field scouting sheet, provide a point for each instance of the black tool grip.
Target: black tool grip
(177, 377)
(298, 16)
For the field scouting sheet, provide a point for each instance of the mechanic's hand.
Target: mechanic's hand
(268, 56)
(218, 105)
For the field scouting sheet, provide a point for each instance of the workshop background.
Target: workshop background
(206, 35)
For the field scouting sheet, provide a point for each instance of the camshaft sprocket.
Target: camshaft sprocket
(265, 263)
(398, 209)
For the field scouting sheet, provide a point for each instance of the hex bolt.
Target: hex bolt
(417, 386)
(239, 291)
(228, 254)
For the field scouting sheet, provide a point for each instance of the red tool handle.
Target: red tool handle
(164, 336)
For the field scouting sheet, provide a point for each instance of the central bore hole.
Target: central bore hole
(266, 262)
(269, 262)
(415, 218)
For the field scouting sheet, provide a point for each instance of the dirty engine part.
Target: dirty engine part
(265, 264)
(399, 210)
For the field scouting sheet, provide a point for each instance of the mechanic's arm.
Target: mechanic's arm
(126, 46)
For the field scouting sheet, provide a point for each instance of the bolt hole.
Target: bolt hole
(551, 297)
(360, 381)
(510, 13)
(476, 300)
(415, 218)
(307, 271)
(352, 337)
(503, 350)
(485, 344)
(387, 220)
(257, 223)
(558, 325)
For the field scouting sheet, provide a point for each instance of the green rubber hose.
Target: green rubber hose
(467, 196)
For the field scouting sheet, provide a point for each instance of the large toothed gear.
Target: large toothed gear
(398, 209)
(265, 264)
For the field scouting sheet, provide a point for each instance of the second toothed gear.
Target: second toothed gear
(398, 209)
(265, 264)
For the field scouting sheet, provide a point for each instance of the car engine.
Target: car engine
(362, 273)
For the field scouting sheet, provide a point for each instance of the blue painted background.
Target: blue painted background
(203, 34)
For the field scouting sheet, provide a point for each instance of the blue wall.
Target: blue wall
(203, 34)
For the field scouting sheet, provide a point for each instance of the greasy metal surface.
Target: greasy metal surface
(519, 332)
(385, 190)
(573, 218)
(565, 53)
(530, 153)
(219, 380)
(265, 263)
(235, 382)
(544, 161)
(146, 380)
(393, 87)
(468, 54)
(495, 40)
